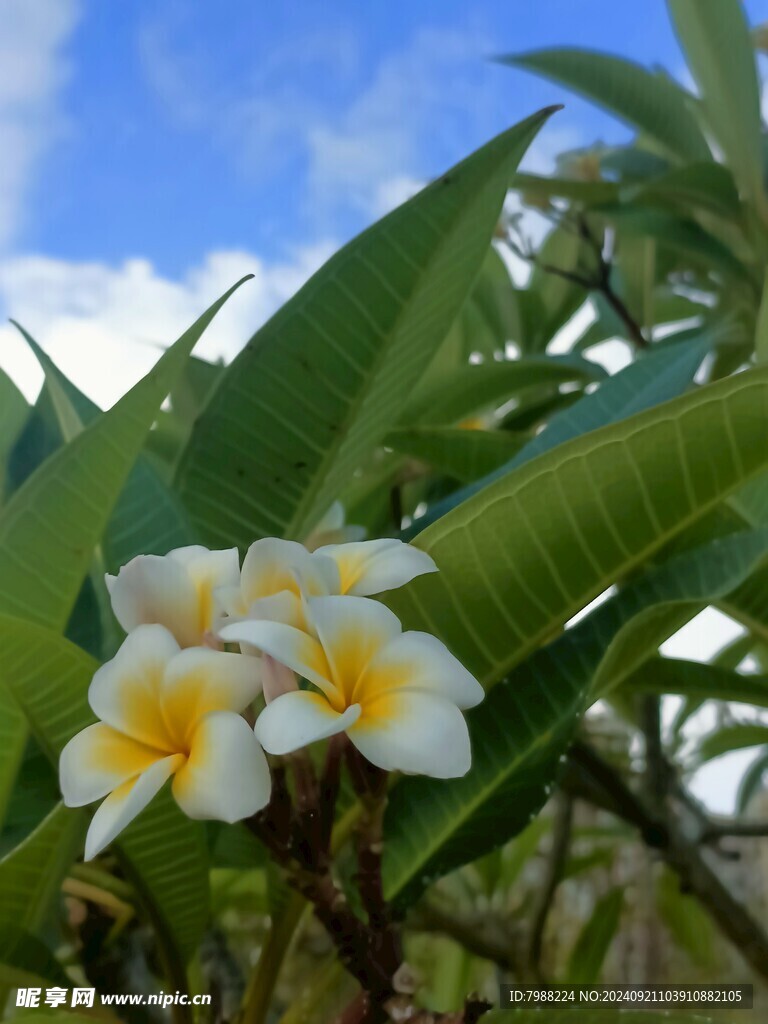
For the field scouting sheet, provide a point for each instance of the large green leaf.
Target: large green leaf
(149, 518)
(678, 233)
(649, 101)
(50, 526)
(594, 939)
(25, 960)
(317, 388)
(13, 738)
(165, 852)
(454, 396)
(463, 454)
(699, 681)
(13, 415)
(525, 723)
(31, 875)
(491, 316)
(587, 192)
(706, 186)
(715, 38)
(729, 738)
(527, 552)
(651, 380)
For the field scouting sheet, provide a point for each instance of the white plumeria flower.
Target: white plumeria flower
(397, 695)
(372, 566)
(333, 529)
(177, 590)
(278, 574)
(166, 712)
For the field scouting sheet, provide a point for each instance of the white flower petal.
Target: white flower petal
(351, 630)
(420, 661)
(198, 681)
(124, 803)
(290, 646)
(372, 566)
(97, 760)
(226, 775)
(296, 719)
(210, 572)
(153, 589)
(125, 692)
(269, 567)
(413, 732)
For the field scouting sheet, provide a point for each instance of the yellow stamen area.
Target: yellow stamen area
(355, 683)
(350, 568)
(111, 751)
(185, 705)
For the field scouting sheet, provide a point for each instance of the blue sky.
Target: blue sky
(238, 125)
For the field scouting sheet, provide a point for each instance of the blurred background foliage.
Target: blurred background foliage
(592, 390)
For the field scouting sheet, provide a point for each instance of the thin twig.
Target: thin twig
(600, 281)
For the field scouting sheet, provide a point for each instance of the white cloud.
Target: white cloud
(104, 326)
(32, 71)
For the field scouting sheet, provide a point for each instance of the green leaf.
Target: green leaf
(595, 939)
(687, 921)
(14, 413)
(655, 378)
(587, 192)
(761, 325)
(454, 396)
(714, 36)
(684, 587)
(492, 315)
(525, 723)
(699, 681)
(148, 518)
(679, 234)
(706, 186)
(13, 738)
(649, 101)
(729, 738)
(164, 852)
(25, 960)
(31, 875)
(50, 526)
(527, 552)
(463, 454)
(317, 388)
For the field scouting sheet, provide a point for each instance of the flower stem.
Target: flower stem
(262, 984)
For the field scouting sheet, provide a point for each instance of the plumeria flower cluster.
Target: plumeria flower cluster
(301, 627)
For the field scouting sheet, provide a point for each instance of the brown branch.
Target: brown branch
(593, 779)
(489, 936)
(370, 784)
(724, 829)
(600, 281)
